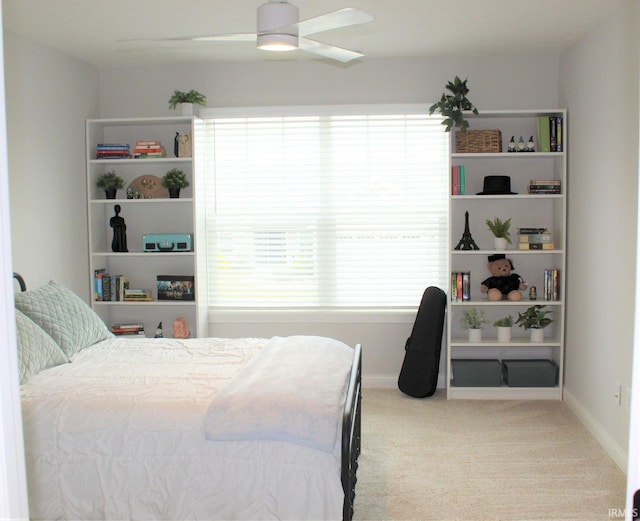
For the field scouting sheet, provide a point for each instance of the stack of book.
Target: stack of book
(460, 286)
(457, 180)
(551, 290)
(137, 295)
(535, 239)
(109, 288)
(128, 329)
(550, 134)
(544, 186)
(112, 151)
(148, 149)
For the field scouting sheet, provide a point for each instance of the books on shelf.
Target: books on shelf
(112, 151)
(458, 180)
(134, 328)
(551, 289)
(148, 149)
(460, 286)
(544, 186)
(535, 239)
(550, 134)
(138, 295)
(109, 288)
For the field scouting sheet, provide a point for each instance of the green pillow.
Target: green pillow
(36, 350)
(71, 323)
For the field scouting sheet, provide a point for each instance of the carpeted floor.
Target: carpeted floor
(464, 460)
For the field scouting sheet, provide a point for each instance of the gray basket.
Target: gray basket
(476, 373)
(530, 373)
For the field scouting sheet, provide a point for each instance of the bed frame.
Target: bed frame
(351, 434)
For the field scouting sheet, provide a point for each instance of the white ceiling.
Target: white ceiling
(94, 30)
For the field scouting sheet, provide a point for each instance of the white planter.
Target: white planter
(500, 243)
(475, 335)
(504, 334)
(537, 335)
(186, 109)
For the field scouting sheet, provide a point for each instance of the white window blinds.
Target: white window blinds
(330, 211)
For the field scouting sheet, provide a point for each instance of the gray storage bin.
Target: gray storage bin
(530, 373)
(476, 373)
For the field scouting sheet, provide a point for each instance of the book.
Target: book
(533, 230)
(536, 246)
(97, 283)
(544, 142)
(534, 238)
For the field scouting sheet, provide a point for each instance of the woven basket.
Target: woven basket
(477, 141)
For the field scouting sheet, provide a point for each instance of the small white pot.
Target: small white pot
(500, 243)
(537, 335)
(504, 334)
(186, 109)
(475, 335)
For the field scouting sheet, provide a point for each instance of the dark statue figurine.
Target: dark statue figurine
(119, 242)
(466, 242)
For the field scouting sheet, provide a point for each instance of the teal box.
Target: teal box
(476, 373)
(530, 373)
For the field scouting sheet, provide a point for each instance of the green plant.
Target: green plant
(534, 317)
(193, 96)
(174, 178)
(110, 181)
(451, 106)
(504, 322)
(472, 319)
(500, 229)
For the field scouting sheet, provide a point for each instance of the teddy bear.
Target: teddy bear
(502, 283)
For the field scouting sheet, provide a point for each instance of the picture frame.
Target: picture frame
(176, 287)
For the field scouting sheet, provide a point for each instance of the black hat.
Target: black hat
(496, 257)
(496, 185)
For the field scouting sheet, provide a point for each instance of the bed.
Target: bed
(202, 428)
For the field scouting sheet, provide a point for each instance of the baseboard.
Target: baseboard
(619, 455)
(389, 381)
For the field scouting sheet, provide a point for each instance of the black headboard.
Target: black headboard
(18, 277)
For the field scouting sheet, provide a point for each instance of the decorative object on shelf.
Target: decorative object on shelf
(466, 242)
(451, 106)
(473, 320)
(534, 318)
(521, 146)
(175, 287)
(531, 147)
(182, 144)
(479, 141)
(174, 180)
(180, 328)
(533, 293)
(186, 100)
(159, 333)
(119, 242)
(148, 187)
(504, 326)
(503, 284)
(110, 182)
(512, 144)
(496, 185)
(165, 242)
(500, 230)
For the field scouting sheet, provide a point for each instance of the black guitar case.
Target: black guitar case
(419, 373)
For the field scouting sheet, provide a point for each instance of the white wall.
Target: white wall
(599, 86)
(495, 83)
(49, 95)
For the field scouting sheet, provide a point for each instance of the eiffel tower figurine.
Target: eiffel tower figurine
(467, 242)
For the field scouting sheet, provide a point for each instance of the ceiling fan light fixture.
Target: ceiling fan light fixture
(277, 42)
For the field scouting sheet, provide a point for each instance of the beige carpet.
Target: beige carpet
(463, 460)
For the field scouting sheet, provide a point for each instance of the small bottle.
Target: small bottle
(533, 293)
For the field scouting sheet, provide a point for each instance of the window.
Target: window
(344, 208)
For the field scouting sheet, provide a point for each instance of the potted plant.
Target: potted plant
(534, 318)
(173, 181)
(110, 182)
(186, 100)
(500, 230)
(504, 326)
(451, 106)
(473, 320)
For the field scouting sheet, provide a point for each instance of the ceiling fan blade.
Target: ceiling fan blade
(334, 20)
(239, 37)
(328, 51)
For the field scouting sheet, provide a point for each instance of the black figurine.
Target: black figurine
(467, 242)
(119, 243)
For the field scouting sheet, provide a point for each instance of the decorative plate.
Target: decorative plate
(149, 187)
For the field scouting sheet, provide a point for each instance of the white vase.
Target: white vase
(500, 243)
(504, 334)
(186, 109)
(537, 335)
(475, 335)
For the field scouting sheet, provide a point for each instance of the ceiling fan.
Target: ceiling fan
(278, 29)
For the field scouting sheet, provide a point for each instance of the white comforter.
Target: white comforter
(119, 434)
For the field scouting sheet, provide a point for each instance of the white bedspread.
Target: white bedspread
(119, 434)
(293, 391)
